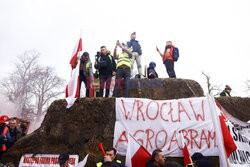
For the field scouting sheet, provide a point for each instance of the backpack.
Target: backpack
(175, 54)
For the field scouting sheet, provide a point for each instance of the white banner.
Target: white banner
(45, 160)
(240, 132)
(156, 124)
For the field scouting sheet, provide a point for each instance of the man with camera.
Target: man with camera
(105, 64)
(123, 69)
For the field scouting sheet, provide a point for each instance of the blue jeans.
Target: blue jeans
(122, 73)
(104, 79)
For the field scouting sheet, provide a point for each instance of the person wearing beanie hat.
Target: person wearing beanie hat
(226, 91)
(135, 47)
(63, 160)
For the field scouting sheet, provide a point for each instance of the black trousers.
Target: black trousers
(82, 78)
(105, 80)
(122, 73)
(169, 64)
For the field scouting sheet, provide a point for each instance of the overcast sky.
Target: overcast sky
(212, 35)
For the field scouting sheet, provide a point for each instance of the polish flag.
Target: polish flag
(186, 154)
(229, 143)
(76, 53)
(226, 144)
(136, 154)
(72, 89)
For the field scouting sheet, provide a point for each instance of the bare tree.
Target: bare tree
(31, 86)
(211, 87)
(247, 85)
(46, 87)
(17, 85)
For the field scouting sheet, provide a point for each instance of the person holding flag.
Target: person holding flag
(85, 73)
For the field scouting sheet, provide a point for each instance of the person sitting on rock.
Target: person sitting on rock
(226, 91)
(151, 71)
(110, 157)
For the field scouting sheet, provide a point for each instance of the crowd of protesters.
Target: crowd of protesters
(121, 66)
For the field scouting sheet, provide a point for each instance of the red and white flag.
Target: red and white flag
(136, 155)
(76, 53)
(229, 143)
(72, 89)
(186, 154)
(223, 136)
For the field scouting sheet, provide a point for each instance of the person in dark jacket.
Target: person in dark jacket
(15, 133)
(136, 53)
(110, 157)
(226, 91)
(158, 159)
(85, 73)
(151, 71)
(106, 67)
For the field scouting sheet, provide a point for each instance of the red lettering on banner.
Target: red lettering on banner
(44, 160)
(173, 139)
(139, 106)
(171, 113)
(185, 134)
(192, 138)
(124, 109)
(161, 111)
(25, 160)
(139, 140)
(212, 137)
(181, 109)
(165, 141)
(72, 161)
(54, 160)
(36, 160)
(204, 137)
(149, 137)
(198, 115)
(123, 135)
(152, 110)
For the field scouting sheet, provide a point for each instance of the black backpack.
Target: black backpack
(175, 54)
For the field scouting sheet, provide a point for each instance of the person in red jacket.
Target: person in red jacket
(4, 134)
(167, 59)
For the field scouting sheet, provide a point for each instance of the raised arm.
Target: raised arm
(159, 51)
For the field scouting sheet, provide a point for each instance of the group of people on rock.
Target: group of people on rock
(10, 133)
(121, 66)
(158, 160)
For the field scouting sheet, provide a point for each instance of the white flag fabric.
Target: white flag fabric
(83, 162)
(136, 155)
(217, 127)
(72, 89)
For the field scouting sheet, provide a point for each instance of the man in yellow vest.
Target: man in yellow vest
(110, 157)
(226, 91)
(85, 73)
(123, 69)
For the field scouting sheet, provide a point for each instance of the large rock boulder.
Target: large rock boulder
(89, 121)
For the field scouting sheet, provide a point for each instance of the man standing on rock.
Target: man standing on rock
(123, 69)
(167, 59)
(136, 53)
(110, 157)
(106, 66)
